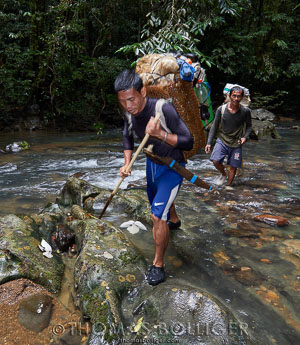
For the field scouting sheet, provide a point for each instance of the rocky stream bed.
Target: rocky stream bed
(232, 268)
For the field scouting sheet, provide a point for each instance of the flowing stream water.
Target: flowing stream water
(267, 299)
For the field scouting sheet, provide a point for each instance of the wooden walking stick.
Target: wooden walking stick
(179, 169)
(139, 149)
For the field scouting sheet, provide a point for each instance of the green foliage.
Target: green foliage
(253, 43)
(49, 55)
(271, 102)
(258, 41)
(59, 54)
(179, 26)
(99, 126)
(16, 74)
(24, 145)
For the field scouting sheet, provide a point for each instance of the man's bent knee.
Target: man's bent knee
(156, 219)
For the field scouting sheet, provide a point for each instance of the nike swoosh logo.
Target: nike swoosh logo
(158, 203)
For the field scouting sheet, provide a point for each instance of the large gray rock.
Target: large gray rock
(108, 266)
(177, 313)
(79, 192)
(76, 191)
(261, 129)
(262, 114)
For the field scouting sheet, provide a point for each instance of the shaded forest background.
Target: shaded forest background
(58, 59)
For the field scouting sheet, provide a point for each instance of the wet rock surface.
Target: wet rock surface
(20, 320)
(262, 114)
(112, 291)
(176, 313)
(241, 252)
(262, 129)
(249, 269)
(21, 256)
(244, 266)
(35, 312)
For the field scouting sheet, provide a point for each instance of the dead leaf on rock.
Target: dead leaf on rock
(272, 220)
(221, 257)
(244, 269)
(267, 261)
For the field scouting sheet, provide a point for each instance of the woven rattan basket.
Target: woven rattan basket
(186, 103)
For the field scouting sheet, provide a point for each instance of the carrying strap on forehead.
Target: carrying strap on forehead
(158, 108)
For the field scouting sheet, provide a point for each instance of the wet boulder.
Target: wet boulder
(19, 240)
(135, 203)
(174, 312)
(10, 266)
(262, 114)
(35, 312)
(110, 280)
(107, 267)
(261, 129)
(77, 192)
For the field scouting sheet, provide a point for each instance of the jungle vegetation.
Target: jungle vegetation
(58, 58)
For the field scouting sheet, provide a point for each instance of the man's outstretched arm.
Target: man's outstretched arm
(127, 158)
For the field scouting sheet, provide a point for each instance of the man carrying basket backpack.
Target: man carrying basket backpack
(163, 183)
(232, 125)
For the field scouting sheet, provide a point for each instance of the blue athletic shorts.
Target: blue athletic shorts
(163, 184)
(234, 154)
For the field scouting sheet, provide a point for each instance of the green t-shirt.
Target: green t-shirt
(230, 127)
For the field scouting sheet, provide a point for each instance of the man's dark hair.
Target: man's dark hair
(236, 89)
(128, 79)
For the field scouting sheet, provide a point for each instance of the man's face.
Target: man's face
(132, 101)
(236, 97)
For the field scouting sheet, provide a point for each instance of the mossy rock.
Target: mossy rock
(177, 313)
(135, 203)
(107, 268)
(19, 240)
(261, 129)
(9, 267)
(79, 192)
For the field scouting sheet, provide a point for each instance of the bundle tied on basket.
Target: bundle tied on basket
(186, 104)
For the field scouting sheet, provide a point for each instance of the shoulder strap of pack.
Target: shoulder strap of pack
(158, 108)
(129, 120)
(223, 109)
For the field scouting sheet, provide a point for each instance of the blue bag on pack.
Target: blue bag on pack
(186, 70)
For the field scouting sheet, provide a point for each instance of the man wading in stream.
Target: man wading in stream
(233, 125)
(163, 183)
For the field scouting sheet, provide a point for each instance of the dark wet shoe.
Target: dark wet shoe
(173, 226)
(155, 275)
